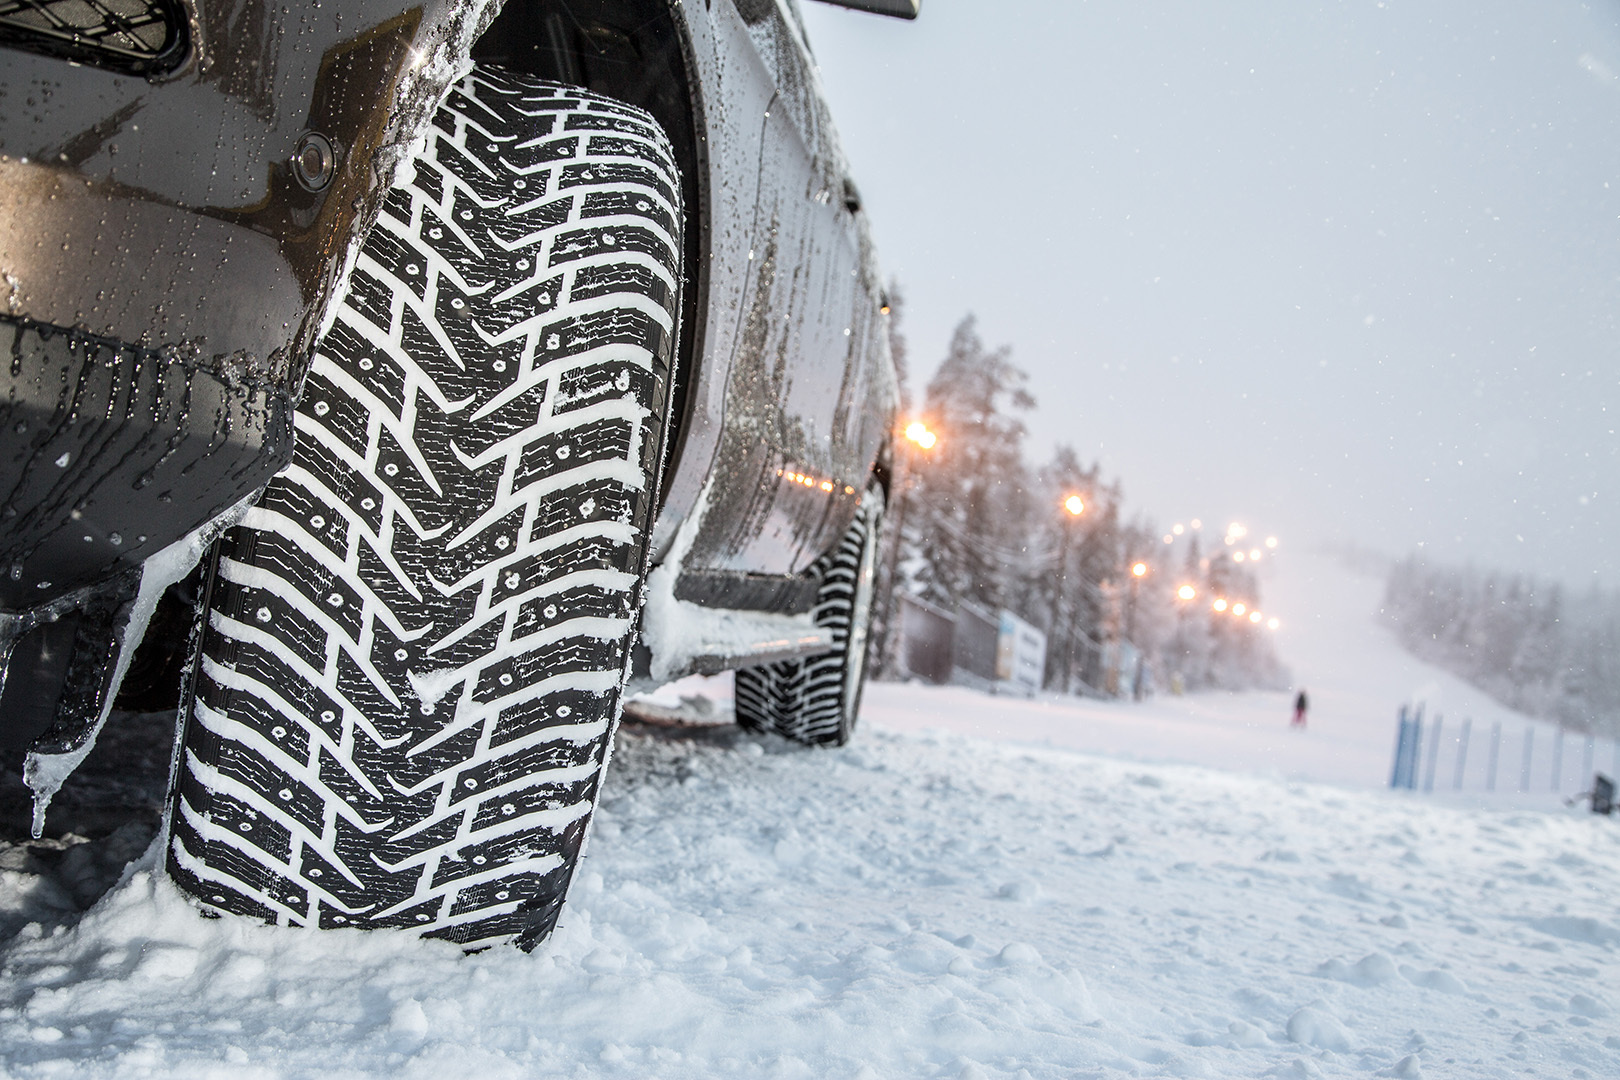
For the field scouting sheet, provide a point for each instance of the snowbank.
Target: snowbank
(910, 906)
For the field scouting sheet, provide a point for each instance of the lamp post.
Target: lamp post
(1138, 572)
(1073, 507)
(915, 437)
(1185, 595)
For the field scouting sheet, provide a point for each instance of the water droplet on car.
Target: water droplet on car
(285, 794)
(263, 614)
(336, 599)
(553, 341)
(400, 654)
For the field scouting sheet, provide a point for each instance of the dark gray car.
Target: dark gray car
(459, 366)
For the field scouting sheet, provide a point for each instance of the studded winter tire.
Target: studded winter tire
(816, 700)
(416, 643)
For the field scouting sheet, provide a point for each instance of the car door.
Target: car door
(796, 447)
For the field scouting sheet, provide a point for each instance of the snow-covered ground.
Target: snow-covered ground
(1357, 677)
(959, 902)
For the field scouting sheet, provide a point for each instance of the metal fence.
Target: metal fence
(1435, 753)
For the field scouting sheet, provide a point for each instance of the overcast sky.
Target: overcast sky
(1341, 271)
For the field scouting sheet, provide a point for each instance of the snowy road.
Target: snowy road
(913, 906)
(916, 905)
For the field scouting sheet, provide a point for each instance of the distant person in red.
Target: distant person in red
(1301, 703)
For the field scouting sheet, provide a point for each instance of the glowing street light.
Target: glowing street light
(1187, 592)
(1237, 556)
(1254, 616)
(1139, 570)
(1254, 555)
(1271, 542)
(1273, 623)
(1219, 605)
(1178, 529)
(1075, 505)
(918, 432)
(1238, 609)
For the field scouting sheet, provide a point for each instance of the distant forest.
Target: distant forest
(1528, 643)
(982, 527)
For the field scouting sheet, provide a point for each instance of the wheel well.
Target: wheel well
(638, 52)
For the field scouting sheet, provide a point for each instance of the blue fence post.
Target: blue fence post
(1434, 752)
(1558, 758)
(1400, 749)
(1496, 755)
(1462, 752)
(1529, 750)
(1415, 755)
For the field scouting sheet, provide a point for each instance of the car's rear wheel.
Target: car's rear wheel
(416, 643)
(816, 700)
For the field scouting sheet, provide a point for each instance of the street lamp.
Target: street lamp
(1073, 507)
(1138, 572)
(1219, 604)
(917, 437)
(1187, 592)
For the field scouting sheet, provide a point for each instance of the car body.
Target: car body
(183, 191)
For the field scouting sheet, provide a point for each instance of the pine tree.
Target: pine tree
(974, 486)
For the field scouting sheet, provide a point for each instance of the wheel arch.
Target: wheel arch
(640, 52)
